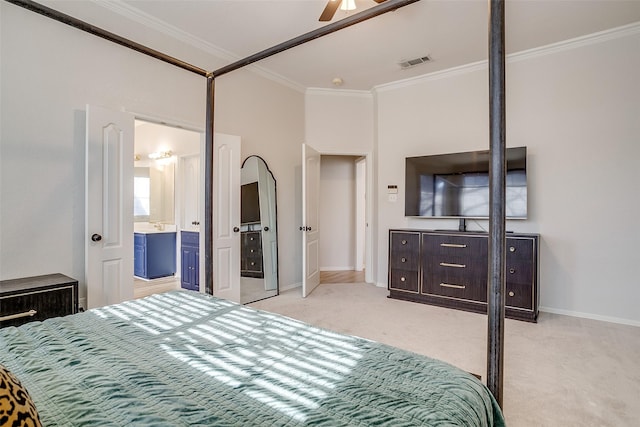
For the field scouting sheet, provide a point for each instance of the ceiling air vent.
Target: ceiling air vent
(413, 62)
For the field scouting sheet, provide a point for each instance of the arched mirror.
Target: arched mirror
(258, 231)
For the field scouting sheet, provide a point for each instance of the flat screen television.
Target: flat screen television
(249, 203)
(457, 185)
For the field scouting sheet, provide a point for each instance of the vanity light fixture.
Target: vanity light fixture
(160, 155)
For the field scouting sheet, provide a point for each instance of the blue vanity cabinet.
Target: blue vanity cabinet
(154, 255)
(190, 250)
(139, 255)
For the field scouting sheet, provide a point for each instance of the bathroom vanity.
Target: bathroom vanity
(154, 254)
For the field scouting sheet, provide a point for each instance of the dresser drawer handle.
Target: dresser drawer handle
(446, 264)
(512, 248)
(511, 293)
(403, 259)
(404, 242)
(19, 315)
(452, 245)
(512, 270)
(448, 285)
(402, 279)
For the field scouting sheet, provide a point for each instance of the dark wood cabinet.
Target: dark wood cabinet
(251, 264)
(450, 269)
(37, 298)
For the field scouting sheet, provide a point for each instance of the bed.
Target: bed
(183, 358)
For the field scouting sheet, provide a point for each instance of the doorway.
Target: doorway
(167, 201)
(342, 218)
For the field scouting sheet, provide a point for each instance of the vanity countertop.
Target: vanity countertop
(154, 231)
(149, 228)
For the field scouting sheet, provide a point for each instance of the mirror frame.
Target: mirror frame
(261, 160)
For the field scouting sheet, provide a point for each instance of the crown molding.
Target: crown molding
(142, 18)
(575, 43)
(339, 92)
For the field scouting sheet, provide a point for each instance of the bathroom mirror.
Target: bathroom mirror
(154, 193)
(258, 231)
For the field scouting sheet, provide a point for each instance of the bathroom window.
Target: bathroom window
(141, 192)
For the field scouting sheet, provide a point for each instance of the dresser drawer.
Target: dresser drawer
(403, 280)
(457, 284)
(252, 263)
(405, 261)
(37, 305)
(519, 249)
(460, 247)
(519, 272)
(519, 296)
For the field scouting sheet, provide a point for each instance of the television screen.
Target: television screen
(457, 185)
(249, 203)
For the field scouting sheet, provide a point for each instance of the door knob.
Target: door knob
(96, 237)
(236, 229)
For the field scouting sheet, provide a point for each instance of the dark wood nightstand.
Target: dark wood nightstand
(37, 298)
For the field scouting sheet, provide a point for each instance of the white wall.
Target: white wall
(51, 71)
(339, 122)
(337, 212)
(576, 109)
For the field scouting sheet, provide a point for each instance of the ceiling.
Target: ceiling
(451, 32)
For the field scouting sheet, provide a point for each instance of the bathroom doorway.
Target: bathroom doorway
(167, 201)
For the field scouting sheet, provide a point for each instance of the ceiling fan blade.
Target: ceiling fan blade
(330, 10)
(379, 1)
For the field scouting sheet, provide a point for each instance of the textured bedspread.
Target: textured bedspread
(186, 359)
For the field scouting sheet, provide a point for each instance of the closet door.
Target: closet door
(226, 221)
(310, 219)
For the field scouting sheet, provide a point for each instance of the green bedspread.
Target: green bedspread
(187, 359)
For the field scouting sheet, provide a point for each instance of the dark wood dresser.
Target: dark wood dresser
(450, 269)
(37, 298)
(251, 254)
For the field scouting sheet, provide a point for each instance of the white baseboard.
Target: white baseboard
(290, 286)
(609, 319)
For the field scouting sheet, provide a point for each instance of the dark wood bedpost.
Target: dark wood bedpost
(497, 236)
(208, 187)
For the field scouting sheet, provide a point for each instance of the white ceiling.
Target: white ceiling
(452, 32)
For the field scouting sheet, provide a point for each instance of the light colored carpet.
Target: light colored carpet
(562, 371)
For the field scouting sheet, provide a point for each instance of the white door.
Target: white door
(226, 217)
(310, 219)
(109, 206)
(361, 220)
(191, 193)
